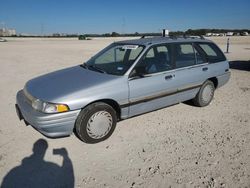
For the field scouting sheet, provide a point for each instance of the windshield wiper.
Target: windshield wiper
(84, 65)
(96, 68)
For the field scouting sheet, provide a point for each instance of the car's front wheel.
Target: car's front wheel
(96, 122)
(205, 94)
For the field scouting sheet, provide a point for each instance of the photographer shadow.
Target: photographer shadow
(35, 172)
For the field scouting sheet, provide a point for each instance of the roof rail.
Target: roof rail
(197, 36)
(173, 36)
(187, 36)
(148, 36)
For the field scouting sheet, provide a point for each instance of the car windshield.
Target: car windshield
(115, 59)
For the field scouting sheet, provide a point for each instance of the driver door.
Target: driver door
(152, 81)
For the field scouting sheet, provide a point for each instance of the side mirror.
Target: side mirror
(138, 72)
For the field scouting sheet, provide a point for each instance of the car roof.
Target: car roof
(160, 40)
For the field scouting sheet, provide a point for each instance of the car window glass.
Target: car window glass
(209, 51)
(150, 53)
(161, 49)
(134, 53)
(112, 55)
(116, 59)
(213, 53)
(184, 55)
(199, 59)
(157, 59)
(186, 49)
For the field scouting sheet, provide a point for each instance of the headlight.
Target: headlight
(54, 108)
(49, 107)
(45, 107)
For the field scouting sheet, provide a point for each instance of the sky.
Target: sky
(122, 16)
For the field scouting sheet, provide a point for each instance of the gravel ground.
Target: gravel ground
(179, 146)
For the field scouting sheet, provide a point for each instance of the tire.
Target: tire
(96, 122)
(205, 94)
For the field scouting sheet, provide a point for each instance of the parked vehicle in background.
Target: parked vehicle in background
(125, 79)
(230, 34)
(3, 40)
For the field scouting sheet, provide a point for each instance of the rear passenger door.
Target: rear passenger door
(191, 70)
(218, 64)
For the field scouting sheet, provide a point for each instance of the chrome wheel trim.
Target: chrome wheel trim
(99, 124)
(207, 93)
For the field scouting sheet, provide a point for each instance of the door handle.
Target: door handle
(204, 69)
(168, 77)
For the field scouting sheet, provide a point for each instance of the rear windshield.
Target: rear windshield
(212, 52)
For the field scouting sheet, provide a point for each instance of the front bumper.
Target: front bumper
(51, 125)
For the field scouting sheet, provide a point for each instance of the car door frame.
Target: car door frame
(193, 76)
(155, 98)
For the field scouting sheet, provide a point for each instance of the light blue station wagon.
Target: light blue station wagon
(123, 80)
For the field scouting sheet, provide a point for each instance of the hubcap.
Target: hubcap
(207, 93)
(99, 124)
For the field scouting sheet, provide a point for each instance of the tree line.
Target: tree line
(172, 33)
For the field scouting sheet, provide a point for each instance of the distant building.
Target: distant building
(7, 32)
(222, 34)
(215, 34)
(2, 32)
(12, 32)
(230, 34)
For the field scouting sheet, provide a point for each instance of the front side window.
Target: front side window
(184, 55)
(150, 53)
(116, 59)
(156, 59)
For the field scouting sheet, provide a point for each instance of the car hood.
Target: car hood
(59, 84)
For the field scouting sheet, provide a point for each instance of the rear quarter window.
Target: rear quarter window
(212, 52)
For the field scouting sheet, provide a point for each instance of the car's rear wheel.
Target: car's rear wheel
(205, 94)
(96, 122)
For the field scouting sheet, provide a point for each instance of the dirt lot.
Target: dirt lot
(179, 146)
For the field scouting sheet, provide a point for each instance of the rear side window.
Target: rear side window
(184, 55)
(161, 49)
(212, 52)
(199, 58)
